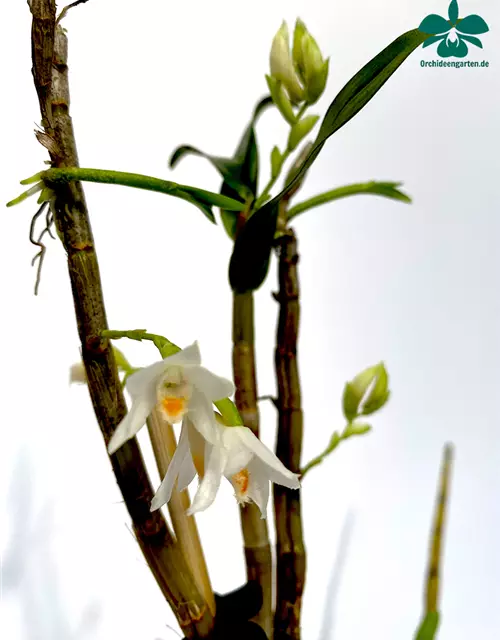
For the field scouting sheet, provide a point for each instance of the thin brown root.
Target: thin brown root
(49, 220)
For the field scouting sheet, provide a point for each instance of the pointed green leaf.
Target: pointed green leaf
(386, 189)
(472, 25)
(453, 11)
(428, 627)
(228, 168)
(246, 158)
(251, 254)
(434, 24)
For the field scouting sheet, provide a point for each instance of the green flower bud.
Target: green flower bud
(299, 161)
(282, 67)
(300, 130)
(299, 31)
(308, 60)
(367, 393)
(276, 162)
(281, 99)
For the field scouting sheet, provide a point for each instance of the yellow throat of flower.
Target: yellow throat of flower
(240, 482)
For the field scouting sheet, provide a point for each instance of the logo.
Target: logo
(455, 34)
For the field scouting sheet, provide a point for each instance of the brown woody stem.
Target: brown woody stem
(164, 557)
(290, 551)
(255, 533)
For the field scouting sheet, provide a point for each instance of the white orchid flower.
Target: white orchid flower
(237, 454)
(180, 387)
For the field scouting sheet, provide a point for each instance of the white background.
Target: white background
(415, 286)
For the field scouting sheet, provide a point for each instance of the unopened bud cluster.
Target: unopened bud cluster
(298, 75)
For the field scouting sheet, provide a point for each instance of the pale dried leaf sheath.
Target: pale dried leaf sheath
(255, 533)
(164, 445)
(71, 218)
(290, 551)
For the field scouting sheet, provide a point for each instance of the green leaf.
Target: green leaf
(472, 25)
(385, 189)
(250, 260)
(246, 158)
(227, 167)
(240, 173)
(428, 627)
(432, 39)
(434, 24)
(453, 11)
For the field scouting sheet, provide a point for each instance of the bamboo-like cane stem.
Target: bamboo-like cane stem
(164, 444)
(290, 551)
(72, 223)
(433, 570)
(255, 534)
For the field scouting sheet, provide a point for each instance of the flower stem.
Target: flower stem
(272, 181)
(73, 225)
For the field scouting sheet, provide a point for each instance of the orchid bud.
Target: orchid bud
(281, 99)
(282, 67)
(309, 63)
(300, 130)
(276, 162)
(367, 393)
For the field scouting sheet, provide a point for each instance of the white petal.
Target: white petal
(201, 414)
(189, 356)
(211, 480)
(133, 421)
(164, 493)
(138, 381)
(238, 455)
(276, 470)
(187, 473)
(258, 485)
(214, 387)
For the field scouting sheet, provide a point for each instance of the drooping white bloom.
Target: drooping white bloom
(180, 387)
(237, 454)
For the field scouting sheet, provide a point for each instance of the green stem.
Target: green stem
(265, 194)
(350, 430)
(376, 188)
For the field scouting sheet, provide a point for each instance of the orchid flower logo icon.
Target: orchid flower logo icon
(453, 34)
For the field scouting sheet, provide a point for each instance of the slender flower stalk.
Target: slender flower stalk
(72, 222)
(290, 550)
